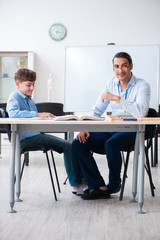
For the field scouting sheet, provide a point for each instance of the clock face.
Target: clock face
(57, 31)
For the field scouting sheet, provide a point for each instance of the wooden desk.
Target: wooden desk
(29, 125)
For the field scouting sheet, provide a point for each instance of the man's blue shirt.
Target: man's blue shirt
(134, 100)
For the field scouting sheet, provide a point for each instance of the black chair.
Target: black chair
(154, 163)
(54, 108)
(51, 107)
(44, 149)
(149, 135)
(2, 128)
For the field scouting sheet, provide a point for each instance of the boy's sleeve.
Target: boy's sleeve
(13, 109)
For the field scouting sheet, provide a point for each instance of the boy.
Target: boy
(21, 105)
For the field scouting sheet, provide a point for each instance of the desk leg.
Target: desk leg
(141, 170)
(18, 169)
(12, 172)
(135, 168)
(71, 136)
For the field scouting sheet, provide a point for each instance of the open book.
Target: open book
(70, 117)
(77, 118)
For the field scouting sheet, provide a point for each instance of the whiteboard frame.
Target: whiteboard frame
(76, 105)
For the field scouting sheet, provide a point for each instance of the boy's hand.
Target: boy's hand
(45, 114)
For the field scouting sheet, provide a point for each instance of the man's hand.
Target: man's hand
(111, 97)
(45, 115)
(82, 137)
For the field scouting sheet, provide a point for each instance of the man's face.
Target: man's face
(122, 69)
(26, 87)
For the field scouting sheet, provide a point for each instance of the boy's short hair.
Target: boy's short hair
(123, 55)
(25, 74)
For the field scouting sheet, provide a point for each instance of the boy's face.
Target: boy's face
(26, 87)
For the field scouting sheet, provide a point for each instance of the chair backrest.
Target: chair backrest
(150, 129)
(3, 105)
(54, 108)
(158, 126)
(2, 128)
(4, 114)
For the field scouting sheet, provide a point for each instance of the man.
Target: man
(21, 105)
(126, 95)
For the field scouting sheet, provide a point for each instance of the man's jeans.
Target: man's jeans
(71, 164)
(113, 144)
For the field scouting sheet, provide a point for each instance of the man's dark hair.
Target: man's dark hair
(25, 74)
(123, 55)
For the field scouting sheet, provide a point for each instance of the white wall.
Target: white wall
(24, 26)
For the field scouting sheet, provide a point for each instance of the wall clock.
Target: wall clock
(57, 31)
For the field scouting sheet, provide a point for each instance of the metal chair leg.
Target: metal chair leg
(155, 162)
(123, 160)
(148, 169)
(49, 168)
(26, 158)
(24, 163)
(151, 142)
(124, 176)
(55, 170)
(65, 181)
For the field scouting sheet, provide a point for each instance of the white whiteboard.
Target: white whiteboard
(87, 70)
